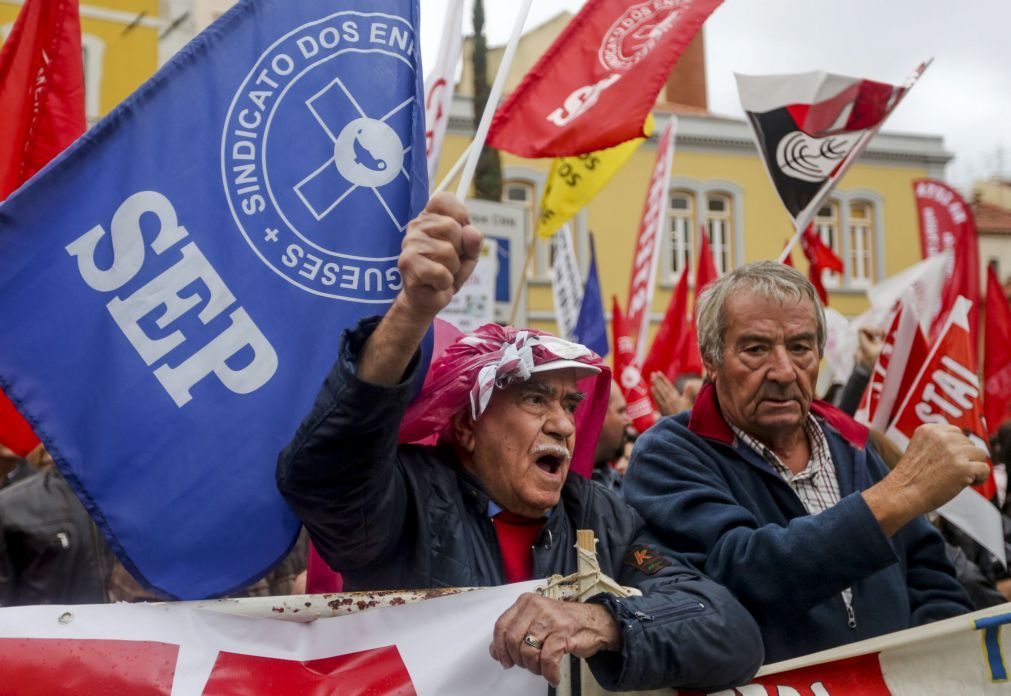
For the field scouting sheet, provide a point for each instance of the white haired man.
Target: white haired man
(494, 501)
(780, 497)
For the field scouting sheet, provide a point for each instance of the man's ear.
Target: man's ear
(710, 370)
(463, 430)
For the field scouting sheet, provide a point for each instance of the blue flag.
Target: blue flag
(591, 328)
(174, 285)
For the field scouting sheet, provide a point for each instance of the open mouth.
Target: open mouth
(550, 463)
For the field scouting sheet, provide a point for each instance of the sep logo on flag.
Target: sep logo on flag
(331, 158)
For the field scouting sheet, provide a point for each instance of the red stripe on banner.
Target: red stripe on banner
(856, 676)
(377, 671)
(47, 666)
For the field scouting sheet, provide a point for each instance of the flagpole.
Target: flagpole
(808, 214)
(453, 171)
(492, 104)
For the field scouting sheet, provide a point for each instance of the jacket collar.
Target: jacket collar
(707, 420)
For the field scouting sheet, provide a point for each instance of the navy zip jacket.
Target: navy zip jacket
(408, 517)
(734, 517)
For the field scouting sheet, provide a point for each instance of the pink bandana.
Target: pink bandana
(468, 371)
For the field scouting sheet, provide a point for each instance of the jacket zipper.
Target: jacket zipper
(678, 610)
(851, 617)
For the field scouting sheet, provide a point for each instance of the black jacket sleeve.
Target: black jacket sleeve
(340, 473)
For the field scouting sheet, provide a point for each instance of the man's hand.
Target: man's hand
(564, 628)
(871, 341)
(665, 396)
(439, 253)
(939, 462)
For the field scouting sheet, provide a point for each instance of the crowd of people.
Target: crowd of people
(757, 521)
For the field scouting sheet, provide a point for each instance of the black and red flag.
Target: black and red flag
(811, 126)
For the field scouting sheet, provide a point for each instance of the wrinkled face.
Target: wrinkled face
(521, 446)
(766, 381)
(611, 444)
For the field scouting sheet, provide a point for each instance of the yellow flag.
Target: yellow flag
(574, 181)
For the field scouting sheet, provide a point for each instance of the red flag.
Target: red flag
(810, 127)
(689, 359)
(996, 354)
(662, 353)
(946, 390)
(903, 353)
(626, 370)
(41, 89)
(647, 243)
(595, 85)
(819, 258)
(42, 102)
(946, 222)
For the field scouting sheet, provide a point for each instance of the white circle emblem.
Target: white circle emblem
(368, 153)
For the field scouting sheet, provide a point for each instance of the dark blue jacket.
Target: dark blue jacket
(732, 515)
(403, 517)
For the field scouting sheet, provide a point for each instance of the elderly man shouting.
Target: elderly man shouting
(493, 500)
(780, 498)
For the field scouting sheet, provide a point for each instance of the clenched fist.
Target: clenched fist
(939, 462)
(439, 253)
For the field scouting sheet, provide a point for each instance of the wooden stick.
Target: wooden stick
(489, 108)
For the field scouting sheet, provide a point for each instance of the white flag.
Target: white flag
(566, 282)
(439, 85)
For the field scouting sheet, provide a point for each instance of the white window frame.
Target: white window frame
(876, 203)
(701, 190)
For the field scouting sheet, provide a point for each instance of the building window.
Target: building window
(719, 223)
(860, 259)
(826, 224)
(680, 226)
(92, 55)
(693, 206)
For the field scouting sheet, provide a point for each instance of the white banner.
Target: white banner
(437, 647)
(963, 655)
(566, 282)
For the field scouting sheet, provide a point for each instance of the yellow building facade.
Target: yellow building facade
(718, 181)
(120, 45)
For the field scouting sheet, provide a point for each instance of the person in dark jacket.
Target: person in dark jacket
(494, 500)
(781, 499)
(50, 550)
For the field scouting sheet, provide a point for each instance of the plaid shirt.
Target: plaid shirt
(816, 485)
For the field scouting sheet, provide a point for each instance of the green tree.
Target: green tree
(488, 175)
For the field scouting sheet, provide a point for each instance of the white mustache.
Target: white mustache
(553, 450)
